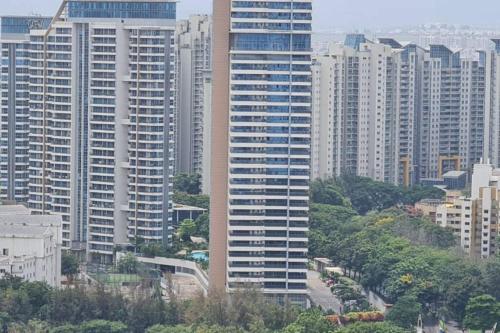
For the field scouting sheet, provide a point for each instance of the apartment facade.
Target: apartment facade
(102, 107)
(398, 113)
(261, 134)
(452, 113)
(207, 134)
(474, 220)
(193, 40)
(14, 101)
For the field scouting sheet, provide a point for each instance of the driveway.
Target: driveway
(320, 294)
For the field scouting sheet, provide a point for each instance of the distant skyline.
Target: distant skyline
(337, 14)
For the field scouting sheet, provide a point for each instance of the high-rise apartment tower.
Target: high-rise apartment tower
(400, 113)
(14, 101)
(261, 115)
(102, 104)
(194, 60)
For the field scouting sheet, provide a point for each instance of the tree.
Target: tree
(152, 250)
(414, 194)
(38, 294)
(190, 184)
(492, 276)
(312, 321)
(16, 303)
(371, 328)
(33, 326)
(365, 194)
(482, 312)
(10, 282)
(187, 229)
(111, 306)
(327, 192)
(102, 326)
(169, 329)
(201, 201)
(68, 328)
(5, 319)
(217, 329)
(203, 226)
(69, 265)
(145, 312)
(128, 264)
(71, 306)
(405, 312)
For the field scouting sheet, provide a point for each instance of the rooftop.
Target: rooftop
(454, 174)
(180, 207)
(17, 221)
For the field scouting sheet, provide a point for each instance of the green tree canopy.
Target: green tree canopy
(102, 326)
(69, 265)
(169, 329)
(405, 312)
(365, 194)
(152, 250)
(190, 184)
(187, 229)
(482, 312)
(371, 328)
(201, 201)
(312, 321)
(128, 264)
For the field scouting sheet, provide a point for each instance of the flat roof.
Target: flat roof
(16, 230)
(14, 209)
(17, 221)
(454, 174)
(323, 260)
(181, 207)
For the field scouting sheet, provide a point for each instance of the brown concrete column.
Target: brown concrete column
(220, 143)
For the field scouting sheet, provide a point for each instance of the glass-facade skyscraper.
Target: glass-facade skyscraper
(261, 147)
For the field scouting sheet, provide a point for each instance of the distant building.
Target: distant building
(193, 45)
(30, 245)
(321, 264)
(455, 180)
(354, 111)
(207, 133)
(452, 180)
(475, 219)
(428, 207)
(14, 104)
(183, 212)
(399, 113)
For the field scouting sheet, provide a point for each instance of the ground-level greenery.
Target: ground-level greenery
(34, 307)
(412, 263)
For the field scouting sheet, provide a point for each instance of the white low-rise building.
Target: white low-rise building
(30, 245)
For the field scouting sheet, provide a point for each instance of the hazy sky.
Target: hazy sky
(346, 14)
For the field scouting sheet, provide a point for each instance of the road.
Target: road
(320, 294)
